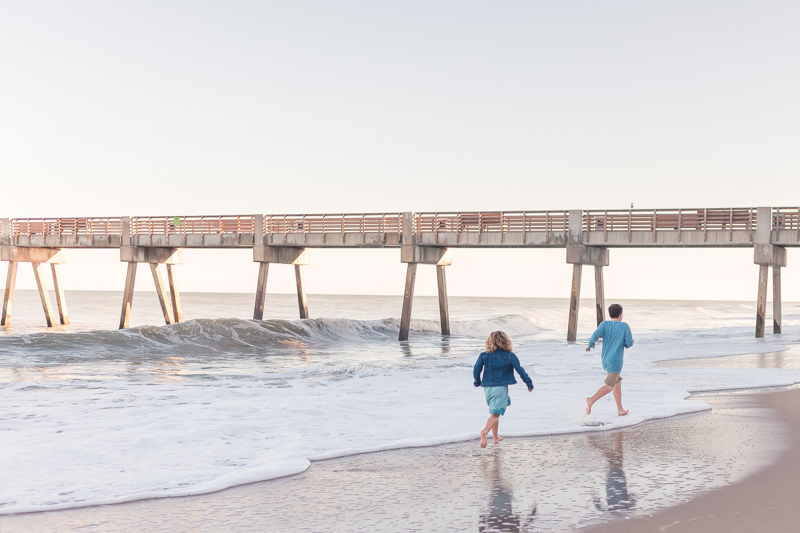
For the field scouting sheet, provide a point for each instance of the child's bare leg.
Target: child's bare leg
(490, 424)
(618, 399)
(497, 437)
(602, 391)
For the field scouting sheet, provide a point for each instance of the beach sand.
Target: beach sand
(765, 501)
(523, 484)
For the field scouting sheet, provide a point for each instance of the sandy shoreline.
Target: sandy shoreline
(765, 501)
(523, 484)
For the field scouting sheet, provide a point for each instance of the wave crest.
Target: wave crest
(238, 335)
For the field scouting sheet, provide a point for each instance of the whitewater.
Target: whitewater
(95, 416)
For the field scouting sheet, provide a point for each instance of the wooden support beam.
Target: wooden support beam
(161, 291)
(776, 300)
(44, 295)
(444, 311)
(574, 303)
(761, 303)
(8, 297)
(261, 291)
(599, 294)
(61, 300)
(127, 296)
(408, 299)
(174, 294)
(301, 291)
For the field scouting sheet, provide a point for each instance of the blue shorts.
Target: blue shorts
(497, 399)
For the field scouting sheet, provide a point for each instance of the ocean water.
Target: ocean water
(93, 415)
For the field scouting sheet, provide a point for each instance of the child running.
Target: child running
(500, 363)
(616, 336)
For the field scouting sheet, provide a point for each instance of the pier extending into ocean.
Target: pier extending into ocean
(423, 238)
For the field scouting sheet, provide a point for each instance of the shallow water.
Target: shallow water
(154, 411)
(523, 484)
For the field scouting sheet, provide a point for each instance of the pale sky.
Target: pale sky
(165, 108)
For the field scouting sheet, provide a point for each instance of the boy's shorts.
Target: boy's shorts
(497, 399)
(612, 379)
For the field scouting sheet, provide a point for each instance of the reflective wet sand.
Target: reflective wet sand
(789, 358)
(524, 484)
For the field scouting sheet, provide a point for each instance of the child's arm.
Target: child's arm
(476, 372)
(628, 339)
(596, 335)
(521, 372)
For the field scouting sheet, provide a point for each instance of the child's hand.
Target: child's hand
(530, 389)
(588, 348)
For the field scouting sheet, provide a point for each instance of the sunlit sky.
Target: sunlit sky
(165, 108)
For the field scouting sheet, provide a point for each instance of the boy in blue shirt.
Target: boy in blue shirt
(616, 336)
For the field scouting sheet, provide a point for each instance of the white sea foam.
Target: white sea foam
(205, 405)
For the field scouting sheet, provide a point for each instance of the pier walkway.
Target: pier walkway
(423, 238)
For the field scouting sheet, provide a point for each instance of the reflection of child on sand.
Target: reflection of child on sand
(500, 515)
(498, 363)
(617, 496)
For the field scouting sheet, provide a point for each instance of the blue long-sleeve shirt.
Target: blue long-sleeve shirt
(616, 337)
(499, 369)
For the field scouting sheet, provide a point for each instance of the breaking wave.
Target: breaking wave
(229, 335)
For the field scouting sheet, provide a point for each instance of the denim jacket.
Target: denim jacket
(499, 369)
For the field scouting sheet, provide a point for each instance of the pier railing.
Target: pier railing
(492, 221)
(343, 223)
(66, 226)
(632, 227)
(193, 225)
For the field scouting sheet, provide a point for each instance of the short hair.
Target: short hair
(614, 310)
(498, 341)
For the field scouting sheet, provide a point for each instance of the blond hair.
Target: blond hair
(498, 341)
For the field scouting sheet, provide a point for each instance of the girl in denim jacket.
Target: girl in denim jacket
(498, 363)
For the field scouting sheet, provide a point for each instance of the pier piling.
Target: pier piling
(408, 300)
(161, 292)
(776, 299)
(302, 302)
(8, 296)
(599, 296)
(127, 296)
(44, 294)
(444, 311)
(61, 300)
(174, 295)
(286, 255)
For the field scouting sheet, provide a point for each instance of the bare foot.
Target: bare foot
(623, 412)
(497, 439)
(588, 406)
(483, 439)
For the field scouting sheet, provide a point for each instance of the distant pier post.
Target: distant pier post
(578, 255)
(444, 311)
(408, 299)
(8, 296)
(154, 256)
(61, 300)
(599, 294)
(413, 254)
(767, 255)
(174, 295)
(776, 299)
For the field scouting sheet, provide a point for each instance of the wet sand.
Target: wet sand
(765, 501)
(523, 484)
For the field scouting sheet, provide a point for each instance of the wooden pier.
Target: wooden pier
(423, 238)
